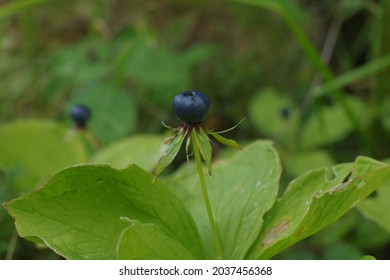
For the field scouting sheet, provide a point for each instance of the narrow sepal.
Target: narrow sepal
(229, 129)
(171, 152)
(187, 148)
(204, 145)
(228, 142)
(169, 127)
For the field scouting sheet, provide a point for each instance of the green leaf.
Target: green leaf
(228, 142)
(368, 258)
(79, 213)
(78, 65)
(266, 114)
(160, 70)
(330, 124)
(148, 242)
(36, 149)
(241, 190)
(171, 152)
(204, 145)
(297, 163)
(377, 208)
(314, 200)
(142, 149)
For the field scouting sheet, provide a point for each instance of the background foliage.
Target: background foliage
(310, 75)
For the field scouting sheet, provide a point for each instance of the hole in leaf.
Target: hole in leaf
(347, 177)
(374, 194)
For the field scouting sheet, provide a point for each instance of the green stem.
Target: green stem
(214, 229)
(12, 245)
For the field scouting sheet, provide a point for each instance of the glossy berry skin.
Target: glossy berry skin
(191, 106)
(80, 115)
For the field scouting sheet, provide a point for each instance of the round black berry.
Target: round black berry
(285, 112)
(80, 115)
(191, 106)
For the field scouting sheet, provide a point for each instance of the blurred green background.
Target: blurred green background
(313, 76)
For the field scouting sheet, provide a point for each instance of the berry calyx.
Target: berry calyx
(191, 106)
(80, 115)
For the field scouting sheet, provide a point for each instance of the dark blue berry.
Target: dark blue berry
(285, 112)
(191, 106)
(80, 115)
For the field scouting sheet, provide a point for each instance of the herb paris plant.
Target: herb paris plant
(191, 107)
(94, 211)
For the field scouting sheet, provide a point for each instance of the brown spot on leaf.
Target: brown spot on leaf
(275, 232)
(299, 231)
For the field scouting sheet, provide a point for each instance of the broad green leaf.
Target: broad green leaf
(35, 149)
(148, 242)
(266, 114)
(160, 70)
(241, 190)
(171, 152)
(368, 258)
(330, 124)
(81, 64)
(228, 142)
(143, 150)
(297, 163)
(377, 208)
(314, 200)
(365, 165)
(204, 145)
(80, 212)
(376, 202)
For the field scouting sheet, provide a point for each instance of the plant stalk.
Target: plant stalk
(213, 225)
(12, 245)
